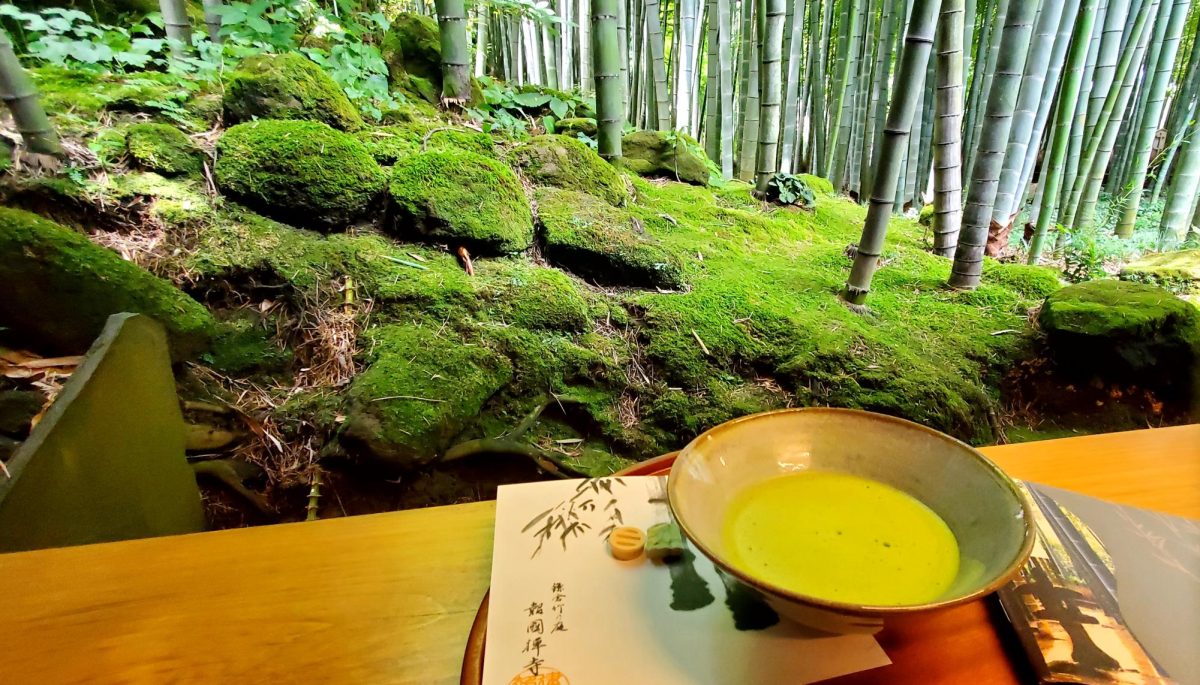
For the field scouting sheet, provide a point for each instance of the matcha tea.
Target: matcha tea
(842, 538)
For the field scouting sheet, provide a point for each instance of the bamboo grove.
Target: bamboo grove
(998, 113)
(1023, 112)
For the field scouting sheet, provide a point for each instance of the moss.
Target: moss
(60, 288)
(461, 198)
(665, 155)
(1110, 308)
(763, 301)
(420, 390)
(1176, 271)
(241, 346)
(925, 216)
(540, 298)
(574, 126)
(820, 185)
(1125, 331)
(412, 111)
(388, 144)
(412, 47)
(75, 99)
(568, 163)
(302, 172)
(287, 86)
(163, 149)
(6, 150)
(1034, 282)
(602, 243)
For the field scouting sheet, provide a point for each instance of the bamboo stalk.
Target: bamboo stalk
(610, 110)
(1168, 39)
(1068, 98)
(993, 141)
(914, 57)
(947, 130)
(18, 93)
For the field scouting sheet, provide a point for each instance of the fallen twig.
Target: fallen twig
(405, 262)
(406, 397)
(702, 345)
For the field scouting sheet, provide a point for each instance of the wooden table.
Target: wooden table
(389, 598)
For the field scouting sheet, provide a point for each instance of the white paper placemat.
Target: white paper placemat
(562, 610)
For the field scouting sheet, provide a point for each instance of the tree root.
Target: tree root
(509, 443)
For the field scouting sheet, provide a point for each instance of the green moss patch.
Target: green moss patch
(287, 86)
(1178, 271)
(421, 389)
(575, 126)
(302, 172)
(603, 243)
(567, 163)
(537, 297)
(460, 198)
(59, 289)
(665, 154)
(389, 144)
(76, 98)
(412, 48)
(163, 149)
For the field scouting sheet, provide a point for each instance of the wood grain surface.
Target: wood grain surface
(390, 598)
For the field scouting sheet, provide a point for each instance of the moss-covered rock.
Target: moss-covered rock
(241, 346)
(1124, 331)
(603, 243)
(460, 198)
(163, 149)
(574, 126)
(421, 389)
(568, 163)
(412, 47)
(665, 154)
(75, 98)
(287, 86)
(59, 289)
(388, 144)
(543, 299)
(300, 172)
(1177, 271)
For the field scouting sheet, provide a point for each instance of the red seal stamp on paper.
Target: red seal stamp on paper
(544, 676)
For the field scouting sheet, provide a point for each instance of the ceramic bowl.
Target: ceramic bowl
(988, 514)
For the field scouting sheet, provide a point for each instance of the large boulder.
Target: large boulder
(59, 288)
(300, 172)
(576, 126)
(1127, 332)
(665, 154)
(422, 388)
(460, 198)
(569, 163)
(603, 243)
(413, 51)
(163, 149)
(287, 86)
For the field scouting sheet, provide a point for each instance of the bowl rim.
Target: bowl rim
(1019, 560)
